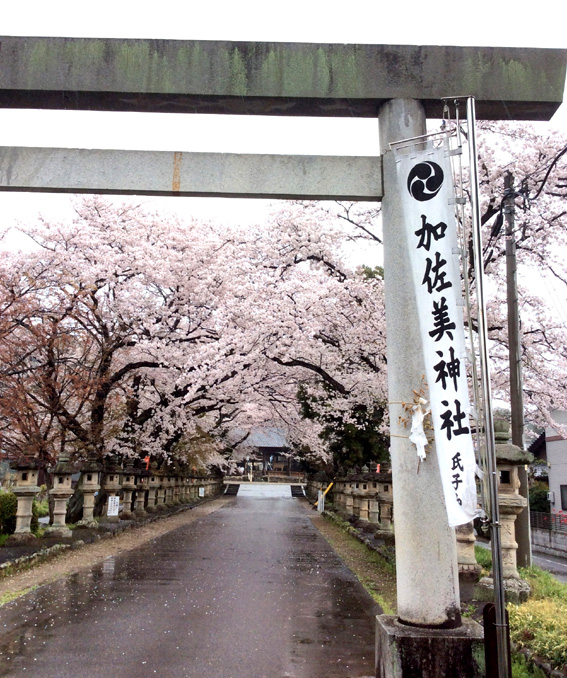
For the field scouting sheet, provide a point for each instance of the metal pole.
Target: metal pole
(516, 400)
(522, 524)
(499, 602)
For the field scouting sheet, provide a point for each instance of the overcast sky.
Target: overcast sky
(490, 23)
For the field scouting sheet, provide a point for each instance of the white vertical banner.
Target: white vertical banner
(426, 188)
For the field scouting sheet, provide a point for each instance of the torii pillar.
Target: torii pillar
(428, 636)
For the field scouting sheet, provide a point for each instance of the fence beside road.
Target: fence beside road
(549, 532)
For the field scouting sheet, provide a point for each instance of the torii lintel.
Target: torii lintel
(275, 78)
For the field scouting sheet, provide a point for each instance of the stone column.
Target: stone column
(469, 569)
(364, 497)
(177, 480)
(349, 499)
(385, 503)
(161, 492)
(428, 568)
(356, 499)
(170, 496)
(426, 553)
(373, 509)
(338, 495)
(186, 489)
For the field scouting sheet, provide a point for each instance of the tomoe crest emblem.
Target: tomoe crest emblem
(425, 180)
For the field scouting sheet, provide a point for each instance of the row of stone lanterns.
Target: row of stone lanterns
(363, 494)
(367, 496)
(142, 491)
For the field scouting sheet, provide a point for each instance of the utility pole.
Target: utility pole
(523, 532)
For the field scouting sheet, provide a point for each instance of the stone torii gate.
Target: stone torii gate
(399, 85)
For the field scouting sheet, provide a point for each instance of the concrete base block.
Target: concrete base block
(412, 652)
(89, 524)
(515, 590)
(60, 532)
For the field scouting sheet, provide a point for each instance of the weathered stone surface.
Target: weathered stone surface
(274, 78)
(515, 590)
(513, 454)
(407, 652)
(65, 170)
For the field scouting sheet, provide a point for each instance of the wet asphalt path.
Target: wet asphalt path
(249, 591)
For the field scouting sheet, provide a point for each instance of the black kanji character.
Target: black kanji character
(436, 281)
(450, 369)
(442, 322)
(457, 480)
(456, 459)
(428, 231)
(451, 420)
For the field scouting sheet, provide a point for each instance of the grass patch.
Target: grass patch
(7, 597)
(540, 624)
(521, 668)
(543, 583)
(41, 508)
(483, 558)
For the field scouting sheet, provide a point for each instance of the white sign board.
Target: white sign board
(113, 506)
(426, 188)
(201, 491)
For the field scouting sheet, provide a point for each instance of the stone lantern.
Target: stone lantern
(142, 487)
(364, 493)
(186, 487)
(128, 487)
(510, 502)
(508, 458)
(25, 490)
(90, 486)
(173, 486)
(62, 475)
(154, 483)
(161, 492)
(385, 504)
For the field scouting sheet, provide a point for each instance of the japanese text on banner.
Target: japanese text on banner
(426, 188)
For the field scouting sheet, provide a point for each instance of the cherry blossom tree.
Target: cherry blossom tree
(538, 161)
(143, 334)
(129, 334)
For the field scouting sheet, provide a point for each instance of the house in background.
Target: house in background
(267, 453)
(556, 448)
(538, 468)
(272, 448)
